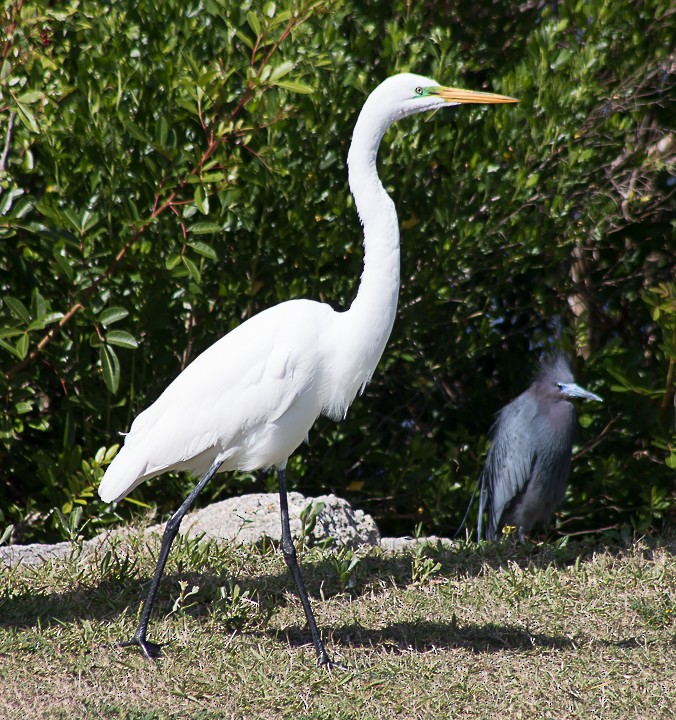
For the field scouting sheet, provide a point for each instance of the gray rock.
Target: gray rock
(37, 553)
(248, 519)
(33, 554)
(401, 544)
(245, 520)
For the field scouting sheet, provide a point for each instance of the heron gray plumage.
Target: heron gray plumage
(526, 472)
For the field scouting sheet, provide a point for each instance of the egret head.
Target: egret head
(407, 94)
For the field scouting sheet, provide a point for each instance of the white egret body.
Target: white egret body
(249, 400)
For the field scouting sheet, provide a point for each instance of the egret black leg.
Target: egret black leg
(152, 650)
(291, 560)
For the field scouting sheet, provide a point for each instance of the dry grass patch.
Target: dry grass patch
(471, 631)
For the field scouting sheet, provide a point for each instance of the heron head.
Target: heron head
(555, 379)
(571, 390)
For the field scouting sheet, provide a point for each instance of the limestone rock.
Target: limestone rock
(245, 520)
(248, 519)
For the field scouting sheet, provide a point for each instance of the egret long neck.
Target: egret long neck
(373, 310)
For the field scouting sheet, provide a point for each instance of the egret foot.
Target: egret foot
(150, 649)
(330, 665)
(323, 660)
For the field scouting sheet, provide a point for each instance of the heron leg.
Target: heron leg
(483, 496)
(291, 560)
(152, 650)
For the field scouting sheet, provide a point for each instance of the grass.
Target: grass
(471, 631)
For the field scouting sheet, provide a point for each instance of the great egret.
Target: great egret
(249, 400)
(528, 463)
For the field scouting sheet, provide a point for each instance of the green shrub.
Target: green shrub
(169, 169)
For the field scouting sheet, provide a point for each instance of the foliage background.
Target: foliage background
(168, 169)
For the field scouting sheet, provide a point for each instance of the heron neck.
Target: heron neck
(374, 308)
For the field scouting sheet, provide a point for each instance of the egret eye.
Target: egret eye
(559, 386)
(419, 91)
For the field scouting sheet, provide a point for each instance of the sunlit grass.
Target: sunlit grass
(469, 631)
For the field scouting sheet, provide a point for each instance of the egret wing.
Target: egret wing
(225, 400)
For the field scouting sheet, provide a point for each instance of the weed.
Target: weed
(423, 566)
(345, 561)
(240, 609)
(659, 612)
(308, 522)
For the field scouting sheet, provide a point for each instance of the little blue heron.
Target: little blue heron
(249, 400)
(528, 463)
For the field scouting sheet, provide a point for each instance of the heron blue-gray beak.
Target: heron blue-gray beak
(575, 391)
(460, 96)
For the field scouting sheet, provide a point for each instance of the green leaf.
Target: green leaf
(50, 317)
(205, 228)
(533, 180)
(172, 260)
(254, 22)
(7, 199)
(201, 200)
(17, 308)
(64, 266)
(137, 132)
(280, 71)
(121, 339)
(46, 206)
(10, 348)
(112, 315)
(191, 268)
(203, 249)
(95, 339)
(22, 346)
(110, 453)
(35, 325)
(7, 533)
(296, 87)
(30, 97)
(138, 503)
(213, 177)
(27, 118)
(162, 131)
(38, 305)
(111, 368)
(74, 219)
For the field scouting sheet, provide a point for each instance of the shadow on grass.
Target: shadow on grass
(108, 600)
(423, 636)
(97, 598)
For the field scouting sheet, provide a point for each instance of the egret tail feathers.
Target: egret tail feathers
(122, 476)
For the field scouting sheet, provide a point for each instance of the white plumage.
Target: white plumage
(251, 398)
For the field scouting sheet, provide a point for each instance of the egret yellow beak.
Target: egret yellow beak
(457, 95)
